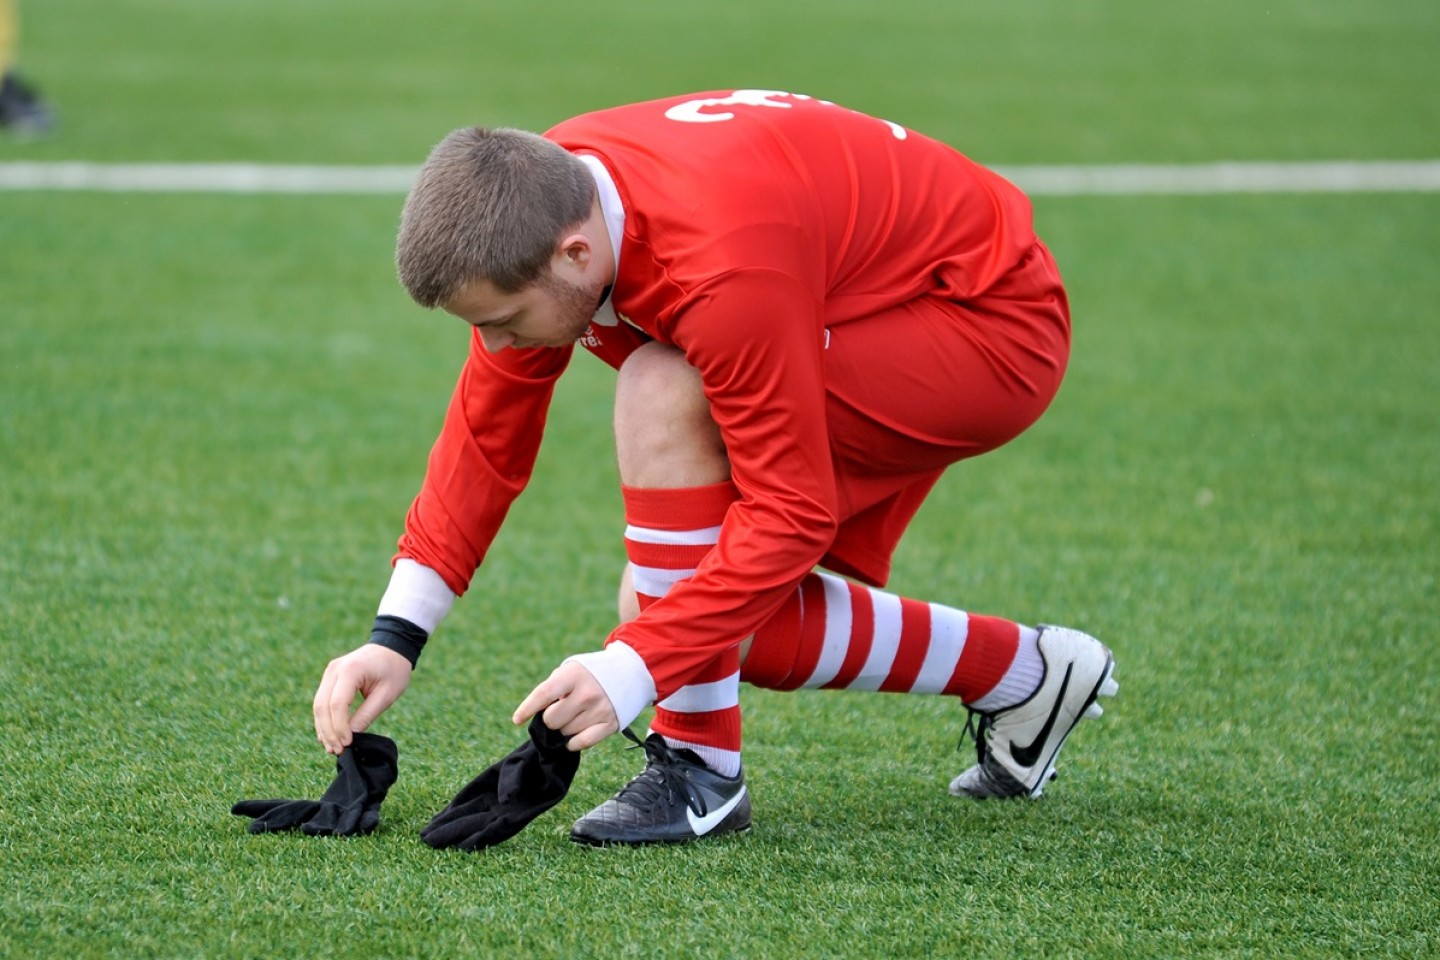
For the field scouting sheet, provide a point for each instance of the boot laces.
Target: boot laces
(977, 728)
(664, 776)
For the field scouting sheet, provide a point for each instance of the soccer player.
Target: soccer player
(21, 109)
(813, 312)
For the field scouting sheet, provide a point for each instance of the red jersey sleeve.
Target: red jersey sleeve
(482, 459)
(766, 389)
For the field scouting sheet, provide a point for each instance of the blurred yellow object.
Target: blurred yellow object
(22, 112)
(9, 32)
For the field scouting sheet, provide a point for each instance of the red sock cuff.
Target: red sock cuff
(718, 728)
(990, 646)
(678, 508)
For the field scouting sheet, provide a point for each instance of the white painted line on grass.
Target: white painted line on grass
(205, 178)
(1337, 177)
(1421, 176)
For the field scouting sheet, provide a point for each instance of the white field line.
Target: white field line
(1421, 176)
(1315, 177)
(204, 178)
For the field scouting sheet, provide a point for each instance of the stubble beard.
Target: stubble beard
(576, 304)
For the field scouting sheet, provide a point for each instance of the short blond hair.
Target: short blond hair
(489, 204)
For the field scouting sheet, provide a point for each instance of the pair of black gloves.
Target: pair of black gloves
(491, 809)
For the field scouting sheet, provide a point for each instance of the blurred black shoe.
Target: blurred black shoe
(21, 109)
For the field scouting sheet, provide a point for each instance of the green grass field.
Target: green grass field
(214, 411)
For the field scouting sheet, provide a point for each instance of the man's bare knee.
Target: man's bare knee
(664, 433)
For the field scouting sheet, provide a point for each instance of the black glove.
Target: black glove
(501, 801)
(364, 773)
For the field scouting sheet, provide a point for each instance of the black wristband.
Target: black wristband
(400, 635)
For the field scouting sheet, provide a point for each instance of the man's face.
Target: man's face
(552, 312)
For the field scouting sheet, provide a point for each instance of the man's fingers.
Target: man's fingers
(332, 708)
(541, 697)
(365, 715)
(342, 694)
(572, 703)
(377, 701)
(377, 674)
(324, 732)
(590, 736)
(565, 715)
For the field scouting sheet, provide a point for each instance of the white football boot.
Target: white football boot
(1017, 746)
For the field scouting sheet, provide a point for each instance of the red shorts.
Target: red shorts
(921, 386)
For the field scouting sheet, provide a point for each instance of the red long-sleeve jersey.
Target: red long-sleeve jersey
(754, 222)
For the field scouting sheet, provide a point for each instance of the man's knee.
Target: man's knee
(657, 379)
(664, 433)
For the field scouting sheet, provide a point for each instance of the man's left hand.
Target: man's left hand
(573, 703)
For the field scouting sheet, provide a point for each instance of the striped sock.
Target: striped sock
(838, 635)
(668, 532)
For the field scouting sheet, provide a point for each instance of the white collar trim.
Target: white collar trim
(613, 210)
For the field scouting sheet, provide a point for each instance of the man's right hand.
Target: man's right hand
(378, 674)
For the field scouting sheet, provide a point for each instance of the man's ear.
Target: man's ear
(574, 250)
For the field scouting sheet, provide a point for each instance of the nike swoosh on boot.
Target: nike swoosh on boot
(703, 825)
(1027, 756)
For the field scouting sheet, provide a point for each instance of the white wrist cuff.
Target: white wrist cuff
(416, 593)
(624, 678)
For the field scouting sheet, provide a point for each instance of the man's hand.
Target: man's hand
(573, 703)
(378, 674)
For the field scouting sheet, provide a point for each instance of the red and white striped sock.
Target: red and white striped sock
(668, 532)
(839, 635)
